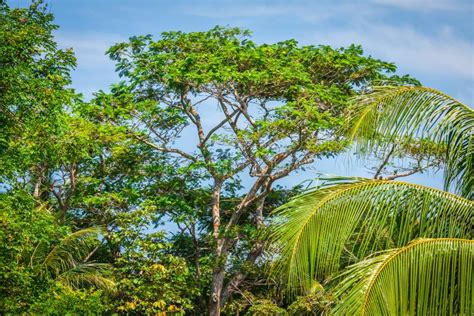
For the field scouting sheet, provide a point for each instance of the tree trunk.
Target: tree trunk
(216, 290)
(219, 272)
(235, 282)
(216, 209)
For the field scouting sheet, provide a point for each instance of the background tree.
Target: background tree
(34, 75)
(63, 174)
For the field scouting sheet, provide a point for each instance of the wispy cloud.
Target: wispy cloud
(308, 12)
(94, 70)
(427, 5)
(89, 48)
(444, 54)
(236, 10)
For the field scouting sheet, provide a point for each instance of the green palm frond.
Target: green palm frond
(407, 114)
(70, 250)
(87, 274)
(68, 263)
(343, 221)
(426, 277)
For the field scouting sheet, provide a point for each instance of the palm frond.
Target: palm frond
(67, 262)
(343, 221)
(407, 114)
(70, 251)
(426, 277)
(87, 274)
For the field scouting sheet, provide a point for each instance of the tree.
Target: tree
(275, 108)
(34, 75)
(334, 227)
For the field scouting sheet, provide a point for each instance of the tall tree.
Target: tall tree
(241, 108)
(34, 75)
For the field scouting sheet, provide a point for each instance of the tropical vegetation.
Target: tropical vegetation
(161, 196)
(382, 246)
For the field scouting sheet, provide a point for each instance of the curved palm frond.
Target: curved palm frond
(406, 114)
(345, 220)
(67, 261)
(70, 250)
(426, 277)
(87, 273)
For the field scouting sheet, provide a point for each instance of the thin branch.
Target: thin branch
(165, 149)
(409, 173)
(384, 162)
(215, 128)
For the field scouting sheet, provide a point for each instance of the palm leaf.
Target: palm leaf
(70, 250)
(67, 261)
(426, 277)
(408, 114)
(347, 219)
(87, 274)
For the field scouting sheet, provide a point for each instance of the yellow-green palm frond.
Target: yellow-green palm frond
(70, 250)
(345, 220)
(408, 114)
(426, 277)
(87, 274)
(68, 260)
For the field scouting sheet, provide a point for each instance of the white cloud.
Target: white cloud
(89, 48)
(427, 5)
(444, 54)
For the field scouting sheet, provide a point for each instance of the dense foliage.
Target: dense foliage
(155, 197)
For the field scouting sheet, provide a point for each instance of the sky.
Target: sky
(432, 40)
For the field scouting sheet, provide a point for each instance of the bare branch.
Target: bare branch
(384, 162)
(409, 173)
(165, 149)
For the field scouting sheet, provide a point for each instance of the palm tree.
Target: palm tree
(360, 237)
(408, 114)
(426, 277)
(335, 230)
(68, 262)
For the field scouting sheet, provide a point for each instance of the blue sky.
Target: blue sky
(432, 40)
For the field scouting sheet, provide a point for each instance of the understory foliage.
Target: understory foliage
(156, 197)
(40, 260)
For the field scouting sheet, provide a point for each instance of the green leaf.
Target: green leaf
(392, 114)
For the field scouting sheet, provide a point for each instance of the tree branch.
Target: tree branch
(164, 149)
